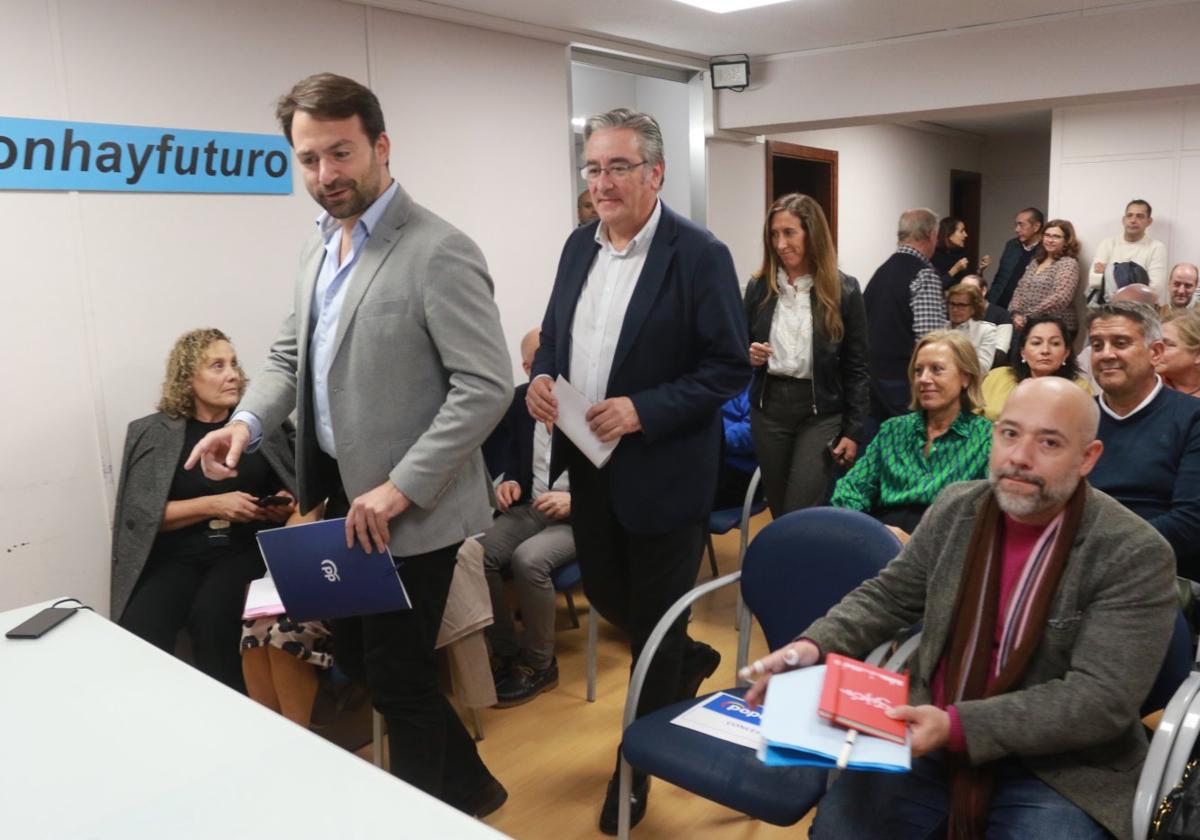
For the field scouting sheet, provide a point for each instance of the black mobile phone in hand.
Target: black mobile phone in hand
(272, 501)
(41, 624)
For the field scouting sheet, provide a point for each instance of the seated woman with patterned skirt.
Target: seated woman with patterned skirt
(942, 441)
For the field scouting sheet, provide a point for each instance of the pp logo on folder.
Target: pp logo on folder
(331, 571)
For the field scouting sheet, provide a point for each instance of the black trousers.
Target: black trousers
(204, 595)
(393, 653)
(632, 579)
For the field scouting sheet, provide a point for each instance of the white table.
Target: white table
(103, 735)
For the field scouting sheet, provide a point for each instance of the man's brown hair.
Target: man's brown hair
(327, 96)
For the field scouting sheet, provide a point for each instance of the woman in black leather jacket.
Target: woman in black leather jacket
(808, 345)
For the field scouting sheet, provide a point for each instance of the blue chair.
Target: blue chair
(798, 567)
(725, 520)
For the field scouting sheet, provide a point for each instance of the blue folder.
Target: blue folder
(318, 577)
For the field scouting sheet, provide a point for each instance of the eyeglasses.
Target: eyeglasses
(616, 171)
(954, 305)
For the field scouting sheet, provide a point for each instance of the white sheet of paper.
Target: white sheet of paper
(724, 716)
(262, 599)
(572, 408)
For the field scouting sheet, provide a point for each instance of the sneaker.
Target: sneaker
(699, 663)
(637, 802)
(524, 683)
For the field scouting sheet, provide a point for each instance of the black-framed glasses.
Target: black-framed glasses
(616, 171)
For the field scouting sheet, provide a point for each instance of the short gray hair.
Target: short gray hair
(650, 141)
(916, 225)
(1140, 313)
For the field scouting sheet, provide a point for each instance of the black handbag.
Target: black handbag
(1178, 815)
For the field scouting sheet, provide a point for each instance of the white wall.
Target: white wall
(100, 284)
(1101, 156)
(1016, 175)
(1046, 60)
(882, 171)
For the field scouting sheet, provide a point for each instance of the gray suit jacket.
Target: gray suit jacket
(153, 445)
(1075, 721)
(420, 376)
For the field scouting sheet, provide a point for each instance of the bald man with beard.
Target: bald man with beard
(1047, 608)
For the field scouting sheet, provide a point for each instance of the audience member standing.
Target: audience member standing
(1051, 280)
(950, 258)
(903, 302)
(1180, 364)
(808, 332)
(1181, 287)
(1112, 269)
(1044, 349)
(394, 362)
(1151, 434)
(1018, 251)
(646, 320)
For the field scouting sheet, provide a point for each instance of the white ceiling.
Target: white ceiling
(785, 27)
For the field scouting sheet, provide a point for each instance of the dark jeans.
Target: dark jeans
(632, 579)
(393, 653)
(207, 597)
(915, 805)
(791, 442)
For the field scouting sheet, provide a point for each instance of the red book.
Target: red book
(857, 696)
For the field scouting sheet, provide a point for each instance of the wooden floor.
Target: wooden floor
(555, 753)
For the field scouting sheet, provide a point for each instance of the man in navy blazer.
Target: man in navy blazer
(646, 320)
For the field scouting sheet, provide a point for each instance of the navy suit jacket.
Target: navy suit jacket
(683, 350)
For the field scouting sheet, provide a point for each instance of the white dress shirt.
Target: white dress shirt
(792, 328)
(602, 304)
(541, 464)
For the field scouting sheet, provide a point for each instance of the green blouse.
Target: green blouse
(894, 470)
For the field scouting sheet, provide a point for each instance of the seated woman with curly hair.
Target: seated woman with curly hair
(183, 546)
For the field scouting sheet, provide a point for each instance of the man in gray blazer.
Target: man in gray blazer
(1047, 610)
(395, 363)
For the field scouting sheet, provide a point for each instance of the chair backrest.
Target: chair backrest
(1176, 666)
(803, 563)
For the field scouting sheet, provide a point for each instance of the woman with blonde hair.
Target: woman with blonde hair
(1180, 365)
(944, 439)
(808, 344)
(183, 546)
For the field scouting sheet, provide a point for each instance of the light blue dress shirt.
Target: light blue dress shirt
(328, 296)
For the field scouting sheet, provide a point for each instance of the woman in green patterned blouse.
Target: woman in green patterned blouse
(941, 441)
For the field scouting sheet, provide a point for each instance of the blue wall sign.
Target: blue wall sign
(58, 155)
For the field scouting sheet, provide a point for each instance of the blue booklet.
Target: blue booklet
(319, 578)
(794, 734)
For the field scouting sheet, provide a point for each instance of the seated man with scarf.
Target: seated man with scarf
(1047, 609)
